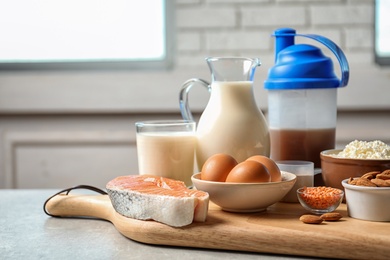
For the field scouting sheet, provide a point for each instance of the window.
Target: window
(382, 32)
(91, 34)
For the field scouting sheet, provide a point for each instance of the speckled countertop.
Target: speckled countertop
(26, 232)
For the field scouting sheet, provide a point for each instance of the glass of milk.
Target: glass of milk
(304, 170)
(167, 148)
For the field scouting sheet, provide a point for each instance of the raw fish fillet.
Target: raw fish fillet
(161, 199)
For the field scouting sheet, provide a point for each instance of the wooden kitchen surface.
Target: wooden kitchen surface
(277, 230)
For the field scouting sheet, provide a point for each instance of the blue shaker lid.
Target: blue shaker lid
(299, 66)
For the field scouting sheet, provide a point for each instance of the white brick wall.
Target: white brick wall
(235, 27)
(265, 17)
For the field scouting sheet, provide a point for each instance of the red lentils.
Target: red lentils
(320, 197)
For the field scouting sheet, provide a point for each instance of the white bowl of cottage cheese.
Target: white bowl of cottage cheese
(356, 159)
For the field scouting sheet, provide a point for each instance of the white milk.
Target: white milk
(168, 155)
(232, 123)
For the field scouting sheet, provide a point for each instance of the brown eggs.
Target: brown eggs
(249, 172)
(217, 167)
(272, 167)
(224, 168)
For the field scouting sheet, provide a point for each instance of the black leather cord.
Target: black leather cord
(68, 190)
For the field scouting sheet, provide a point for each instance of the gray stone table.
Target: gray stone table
(26, 232)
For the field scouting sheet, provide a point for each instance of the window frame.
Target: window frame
(150, 64)
(380, 59)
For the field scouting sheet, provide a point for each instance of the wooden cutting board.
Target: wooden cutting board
(277, 230)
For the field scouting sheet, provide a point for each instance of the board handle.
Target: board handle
(65, 205)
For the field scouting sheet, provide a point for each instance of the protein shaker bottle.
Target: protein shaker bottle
(302, 97)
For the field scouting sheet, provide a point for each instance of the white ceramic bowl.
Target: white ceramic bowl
(245, 197)
(367, 203)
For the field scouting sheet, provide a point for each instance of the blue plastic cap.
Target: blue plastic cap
(282, 41)
(299, 66)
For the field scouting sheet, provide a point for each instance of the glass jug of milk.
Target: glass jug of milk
(231, 122)
(302, 97)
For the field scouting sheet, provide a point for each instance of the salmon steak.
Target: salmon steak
(165, 200)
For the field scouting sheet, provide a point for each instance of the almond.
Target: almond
(370, 175)
(311, 219)
(331, 216)
(365, 182)
(386, 172)
(372, 179)
(352, 181)
(385, 175)
(381, 182)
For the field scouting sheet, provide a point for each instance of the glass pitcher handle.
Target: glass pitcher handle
(337, 52)
(183, 96)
